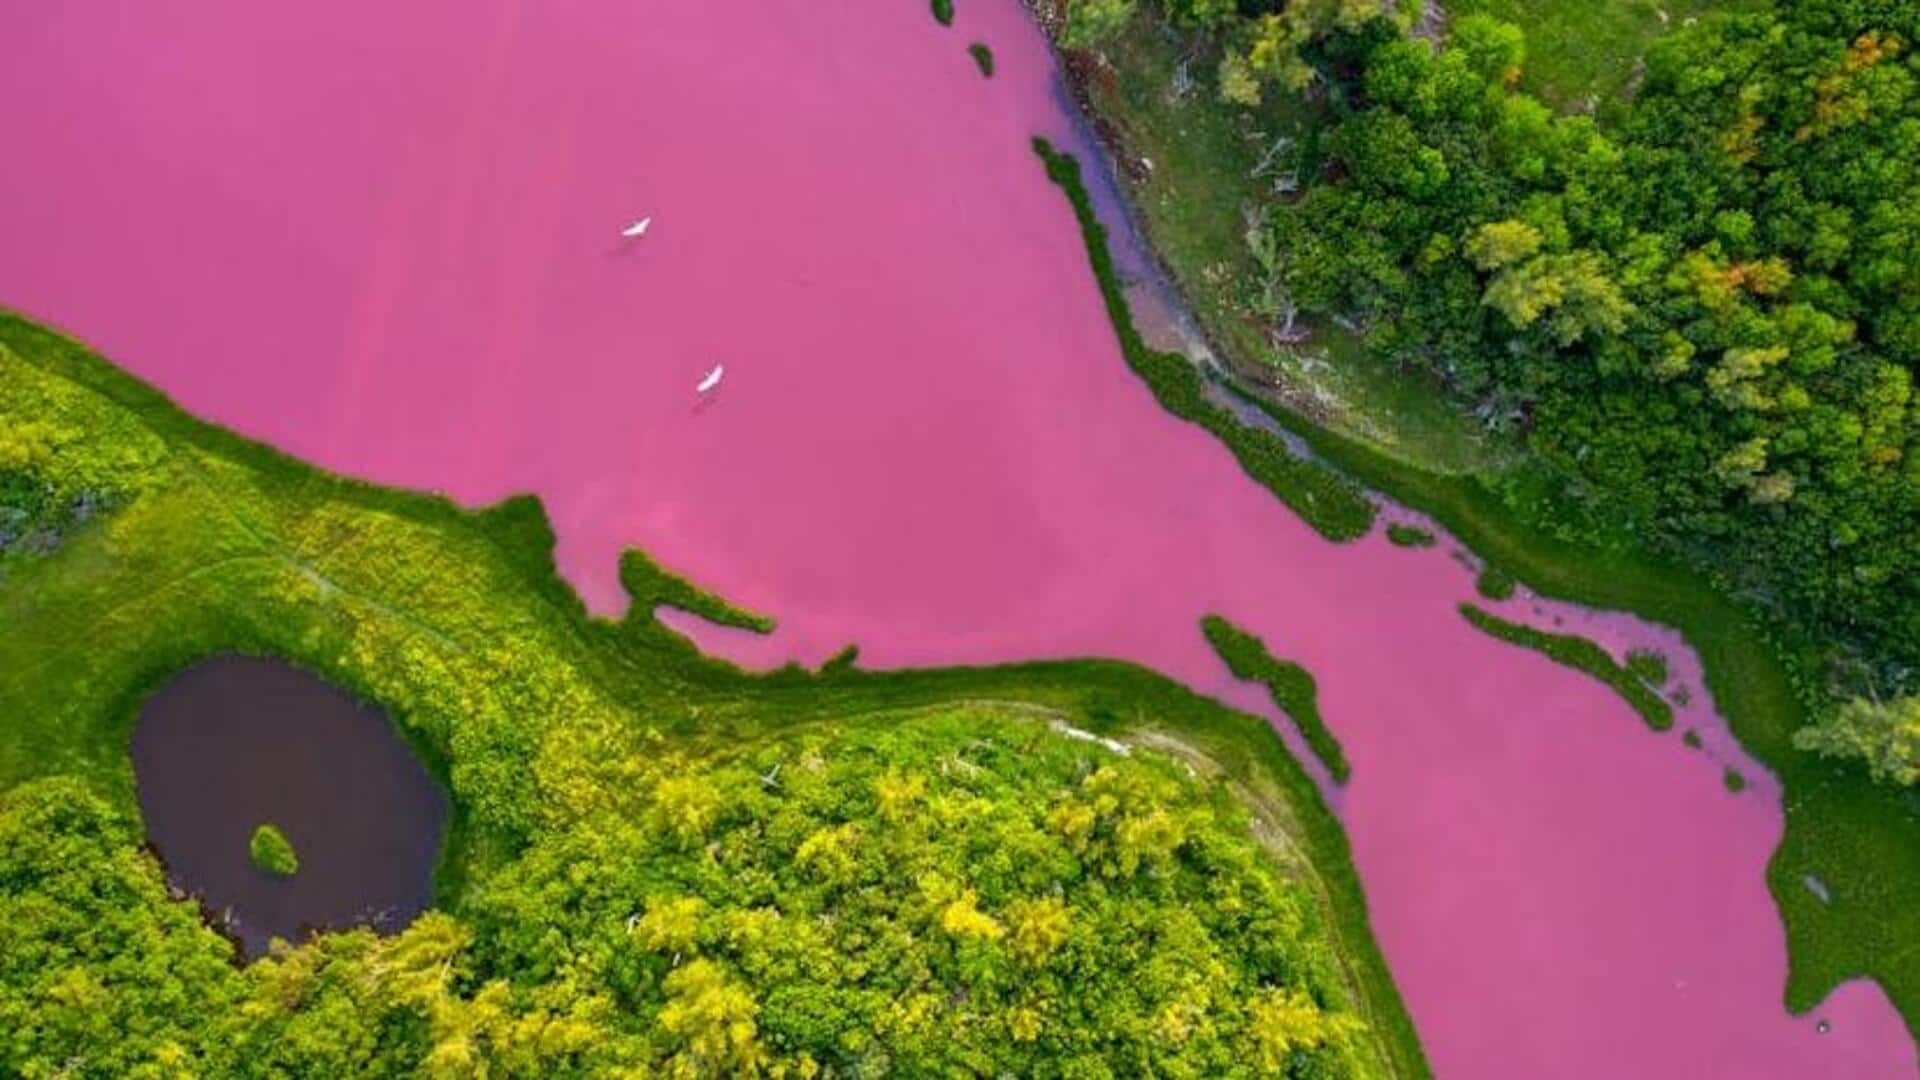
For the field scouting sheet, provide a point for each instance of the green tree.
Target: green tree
(1886, 735)
(1090, 22)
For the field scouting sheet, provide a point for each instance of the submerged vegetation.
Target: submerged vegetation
(271, 851)
(658, 864)
(1291, 686)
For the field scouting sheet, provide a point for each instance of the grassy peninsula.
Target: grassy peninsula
(657, 863)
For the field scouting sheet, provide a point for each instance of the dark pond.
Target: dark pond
(233, 742)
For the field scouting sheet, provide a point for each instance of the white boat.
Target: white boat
(712, 380)
(637, 229)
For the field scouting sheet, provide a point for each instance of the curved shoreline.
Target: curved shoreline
(637, 666)
(1741, 650)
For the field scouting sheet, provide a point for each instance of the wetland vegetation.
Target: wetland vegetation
(1709, 420)
(1291, 686)
(272, 851)
(656, 861)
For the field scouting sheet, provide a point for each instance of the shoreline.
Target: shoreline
(1746, 656)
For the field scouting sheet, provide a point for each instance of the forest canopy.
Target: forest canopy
(958, 892)
(1701, 315)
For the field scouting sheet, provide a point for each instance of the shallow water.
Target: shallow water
(232, 743)
(396, 254)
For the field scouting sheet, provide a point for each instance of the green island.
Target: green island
(271, 851)
(1290, 685)
(982, 57)
(1619, 298)
(657, 863)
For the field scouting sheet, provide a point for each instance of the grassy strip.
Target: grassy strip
(649, 586)
(1291, 686)
(1336, 507)
(982, 57)
(1577, 652)
(1409, 536)
(457, 625)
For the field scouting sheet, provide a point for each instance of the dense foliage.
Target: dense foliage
(955, 893)
(1264, 40)
(271, 851)
(1707, 314)
(1400, 534)
(1335, 506)
(658, 865)
(1884, 734)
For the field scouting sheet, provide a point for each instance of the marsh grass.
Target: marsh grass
(1291, 686)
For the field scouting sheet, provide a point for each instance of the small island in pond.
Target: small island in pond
(272, 851)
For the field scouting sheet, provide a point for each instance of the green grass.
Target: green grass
(1290, 685)
(1580, 654)
(1863, 839)
(1192, 208)
(271, 851)
(457, 625)
(1585, 53)
(1649, 664)
(1409, 536)
(1495, 583)
(982, 57)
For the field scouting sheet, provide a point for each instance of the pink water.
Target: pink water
(383, 237)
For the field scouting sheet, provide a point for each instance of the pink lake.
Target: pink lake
(384, 237)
